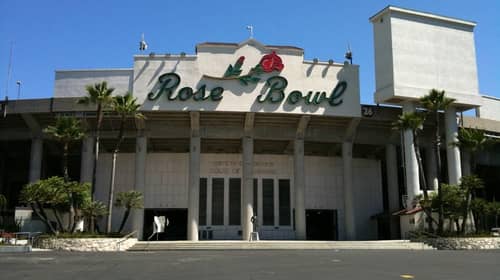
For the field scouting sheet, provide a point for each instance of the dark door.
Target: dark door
(176, 228)
(321, 224)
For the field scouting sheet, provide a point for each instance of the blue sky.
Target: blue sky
(49, 35)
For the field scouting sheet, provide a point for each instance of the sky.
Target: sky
(54, 35)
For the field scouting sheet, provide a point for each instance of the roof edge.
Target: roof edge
(94, 70)
(391, 8)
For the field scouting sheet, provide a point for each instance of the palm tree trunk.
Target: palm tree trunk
(124, 220)
(469, 193)
(423, 181)
(71, 218)
(476, 221)
(113, 172)
(92, 224)
(438, 166)
(466, 210)
(111, 191)
(426, 206)
(96, 148)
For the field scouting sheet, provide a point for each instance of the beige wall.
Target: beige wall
(166, 184)
(72, 83)
(303, 76)
(490, 108)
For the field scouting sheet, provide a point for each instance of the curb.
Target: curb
(15, 249)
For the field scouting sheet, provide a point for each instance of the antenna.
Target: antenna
(9, 70)
(250, 29)
(142, 44)
(348, 54)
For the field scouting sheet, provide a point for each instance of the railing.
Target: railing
(125, 238)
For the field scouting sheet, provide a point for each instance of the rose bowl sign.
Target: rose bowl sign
(275, 83)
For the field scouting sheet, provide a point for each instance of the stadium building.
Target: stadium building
(237, 130)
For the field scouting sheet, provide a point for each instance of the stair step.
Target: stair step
(278, 245)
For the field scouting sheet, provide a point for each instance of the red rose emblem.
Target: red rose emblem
(271, 62)
(240, 60)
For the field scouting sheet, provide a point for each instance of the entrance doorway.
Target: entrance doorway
(321, 224)
(176, 228)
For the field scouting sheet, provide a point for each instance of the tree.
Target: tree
(415, 122)
(128, 200)
(100, 95)
(456, 201)
(479, 207)
(435, 102)
(56, 194)
(92, 211)
(125, 106)
(493, 209)
(471, 141)
(3, 204)
(66, 130)
(468, 184)
(452, 201)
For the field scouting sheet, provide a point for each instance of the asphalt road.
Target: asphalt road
(221, 265)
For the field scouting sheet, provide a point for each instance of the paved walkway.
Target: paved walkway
(230, 265)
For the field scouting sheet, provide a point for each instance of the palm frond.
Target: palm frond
(66, 129)
(436, 101)
(413, 121)
(472, 139)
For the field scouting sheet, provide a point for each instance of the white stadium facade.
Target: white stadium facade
(273, 136)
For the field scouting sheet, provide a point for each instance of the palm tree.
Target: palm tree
(125, 106)
(100, 95)
(470, 141)
(469, 185)
(92, 211)
(129, 200)
(435, 102)
(415, 122)
(67, 130)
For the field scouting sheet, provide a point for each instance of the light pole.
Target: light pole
(18, 89)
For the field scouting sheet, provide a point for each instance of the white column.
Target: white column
(411, 164)
(350, 221)
(300, 181)
(452, 151)
(431, 169)
(36, 159)
(87, 160)
(276, 203)
(226, 201)
(194, 187)
(141, 148)
(247, 199)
